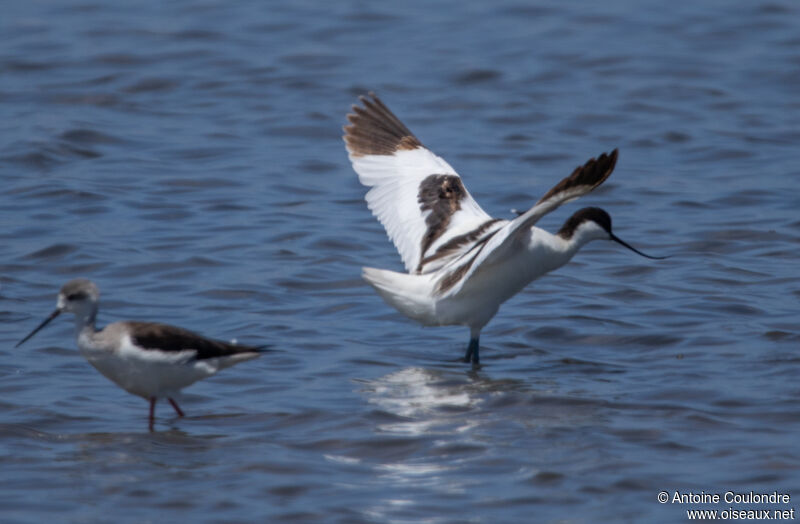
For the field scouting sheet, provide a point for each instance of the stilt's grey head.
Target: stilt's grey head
(79, 296)
(592, 223)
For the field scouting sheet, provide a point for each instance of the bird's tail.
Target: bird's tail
(409, 294)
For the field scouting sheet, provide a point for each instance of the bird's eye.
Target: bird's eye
(76, 296)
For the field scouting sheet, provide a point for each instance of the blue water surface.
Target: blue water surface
(187, 157)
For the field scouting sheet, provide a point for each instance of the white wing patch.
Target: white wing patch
(394, 198)
(416, 195)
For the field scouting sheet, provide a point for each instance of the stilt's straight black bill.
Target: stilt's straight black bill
(53, 315)
(615, 238)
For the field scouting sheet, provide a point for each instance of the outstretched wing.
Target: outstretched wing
(496, 246)
(420, 200)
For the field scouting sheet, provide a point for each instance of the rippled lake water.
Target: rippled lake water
(187, 157)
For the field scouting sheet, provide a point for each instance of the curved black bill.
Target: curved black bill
(615, 238)
(53, 315)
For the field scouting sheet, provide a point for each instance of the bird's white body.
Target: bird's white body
(479, 297)
(147, 373)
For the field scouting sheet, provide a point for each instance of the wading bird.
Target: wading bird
(145, 359)
(462, 264)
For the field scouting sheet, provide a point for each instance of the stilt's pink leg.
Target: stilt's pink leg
(152, 411)
(175, 405)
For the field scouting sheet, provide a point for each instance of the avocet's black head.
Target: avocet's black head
(593, 223)
(77, 296)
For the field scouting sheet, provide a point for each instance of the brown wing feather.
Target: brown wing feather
(375, 130)
(591, 174)
(162, 337)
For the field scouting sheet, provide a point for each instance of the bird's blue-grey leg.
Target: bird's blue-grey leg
(152, 411)
(472, 350)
